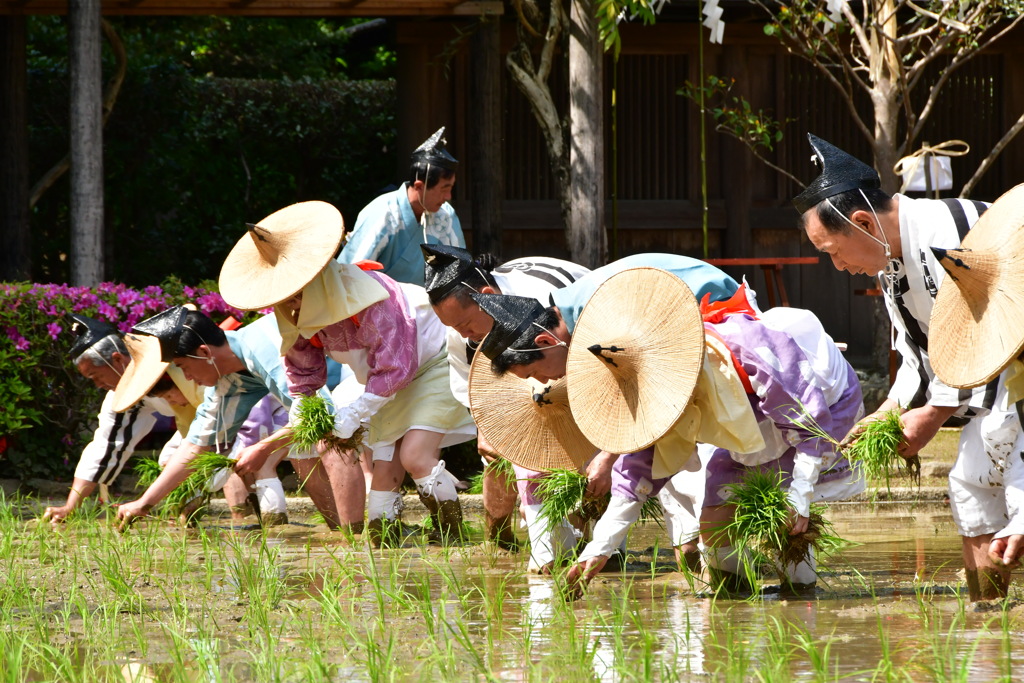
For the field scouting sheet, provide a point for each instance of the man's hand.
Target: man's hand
(599, 474)
(580, 575)
(56, 515)
(920, 426)
(251, 459)
(1007, 551)
(129, 512)
(797, 523)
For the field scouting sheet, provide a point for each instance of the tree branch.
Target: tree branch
(990, 159)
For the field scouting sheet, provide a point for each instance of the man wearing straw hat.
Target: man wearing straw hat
(100, 355)
(390, 229)
(981, 304)
(384, 330)
(240, 367)
(630, 392)
(452, 276)
(847, 216)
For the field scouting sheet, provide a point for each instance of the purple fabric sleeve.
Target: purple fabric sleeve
(631, 476)
(305, 367)
(389, 335)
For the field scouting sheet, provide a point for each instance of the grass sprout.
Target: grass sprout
(563, 492)
(314, 422)
(875, 449)
(501, 468)
(202, 467)
(761, 522)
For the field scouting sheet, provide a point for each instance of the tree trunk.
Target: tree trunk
(586, 237)
(86, 120)
(14, 192)
(487, 184)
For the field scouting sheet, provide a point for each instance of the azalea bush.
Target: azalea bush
(47, 409)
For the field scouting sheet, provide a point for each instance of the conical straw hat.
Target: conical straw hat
(977, 323)
(150, 345)
(143, 371)
(280, 255)
(525, 423)
(634, 359)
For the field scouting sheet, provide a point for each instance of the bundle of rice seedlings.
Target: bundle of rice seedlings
(202, 467)
(148, 470)
(499, 466)
(875, 449)
(563, 492)
(314, 423)
(761, 522)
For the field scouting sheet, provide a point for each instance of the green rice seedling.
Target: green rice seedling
(314, 422)
(562, 493)
(875, 449)
(202, 467)
(651, 511)
(500, 467)
(761, 523)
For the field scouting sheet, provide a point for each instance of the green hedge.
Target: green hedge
(47, 409)
(188, 161)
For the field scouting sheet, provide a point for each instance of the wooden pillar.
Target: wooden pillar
(86, 121)
(587, 240)
(737, 167)
(14, 191)
(486, 163)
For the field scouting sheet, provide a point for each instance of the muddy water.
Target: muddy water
(887, 609)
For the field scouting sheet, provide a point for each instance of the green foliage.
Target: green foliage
(761, 522)
(191, 154)
(500, 466)
(202, 467)
(314, 422)
(876, 448)
(609, 12)
(49, 409)
(734, 115)
(563, 492)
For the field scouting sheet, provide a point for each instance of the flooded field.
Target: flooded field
(299, 603)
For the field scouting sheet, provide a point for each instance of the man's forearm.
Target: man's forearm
(80, 490)
(177, 471)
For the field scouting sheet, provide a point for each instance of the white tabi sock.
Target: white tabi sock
(439, 484)
(546, 545)
(270, 494)
(805, 572)
(386, 504)
(726, 558)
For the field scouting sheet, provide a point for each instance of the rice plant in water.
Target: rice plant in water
(761, 522)
(563, 492)
(875, 449)
(499, 467)
(202, 467)
(314, 422)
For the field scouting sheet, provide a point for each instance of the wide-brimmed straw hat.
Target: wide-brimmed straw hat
(151, 346)
(280, 255)
(635, 358)
(977, 323)
(524, 422)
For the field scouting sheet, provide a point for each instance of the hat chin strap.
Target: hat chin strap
(890, 262)
(891, 265)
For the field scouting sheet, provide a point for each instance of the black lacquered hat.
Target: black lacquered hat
(840, 172)
(513, 322)
(433, 152)
(87, 331)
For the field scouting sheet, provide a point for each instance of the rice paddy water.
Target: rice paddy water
(300, 603)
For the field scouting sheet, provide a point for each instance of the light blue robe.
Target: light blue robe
(387, 231)
(700, 277)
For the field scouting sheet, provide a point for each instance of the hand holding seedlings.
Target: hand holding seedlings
(581, 574)
(1007, 551)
